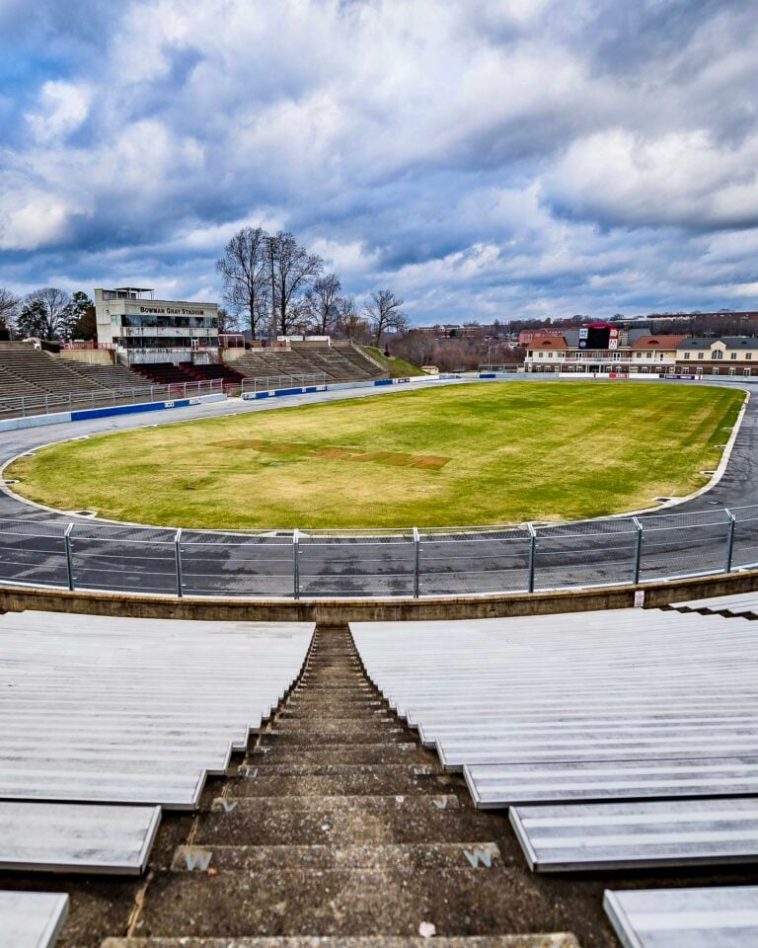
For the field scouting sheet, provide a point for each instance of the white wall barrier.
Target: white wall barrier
(35, 421)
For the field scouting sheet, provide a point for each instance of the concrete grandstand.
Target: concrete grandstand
(34, 381)
(25, 370)
(340, 362)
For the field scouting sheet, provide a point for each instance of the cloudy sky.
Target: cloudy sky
(483, 158)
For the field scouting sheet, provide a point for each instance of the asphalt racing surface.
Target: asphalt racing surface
(690, 538)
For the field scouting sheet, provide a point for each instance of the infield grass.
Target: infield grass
(464, 455)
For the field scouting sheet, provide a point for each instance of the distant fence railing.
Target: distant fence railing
(90, 555)
(268, 383)
(45, 404)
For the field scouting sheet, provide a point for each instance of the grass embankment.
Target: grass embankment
(483, 453)
(397, 368)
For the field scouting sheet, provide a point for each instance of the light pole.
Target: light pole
(270, 241)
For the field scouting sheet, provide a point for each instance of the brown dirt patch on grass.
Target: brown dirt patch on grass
(335, 453)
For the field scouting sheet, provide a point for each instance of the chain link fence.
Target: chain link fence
(414, 563)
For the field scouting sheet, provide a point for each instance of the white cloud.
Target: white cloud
(681, 178)
(494, 154)
(62, 107)
(30, 219)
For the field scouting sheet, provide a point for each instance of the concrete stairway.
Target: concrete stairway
(339, 825)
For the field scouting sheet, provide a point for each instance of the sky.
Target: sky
(484, 159)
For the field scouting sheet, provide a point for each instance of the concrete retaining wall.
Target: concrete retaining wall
(34, 421)
(280, 392)
(85, 414)
(374, 610)
(89, 356)
(88, 413)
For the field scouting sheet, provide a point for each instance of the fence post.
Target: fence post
(729, 541)
(295, 562)
(69, 557)
(178, 561)
(416, 562)
(532, 552)
(637, 551)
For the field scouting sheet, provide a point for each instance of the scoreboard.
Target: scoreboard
(599, 336)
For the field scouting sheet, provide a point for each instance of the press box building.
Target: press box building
(144, 329)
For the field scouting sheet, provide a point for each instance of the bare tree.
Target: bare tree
(350, 324)
(384, 313)
(293, 271)
(244, 268)
(9, 304)
(227, 322)
(47, 313)
(323, 303)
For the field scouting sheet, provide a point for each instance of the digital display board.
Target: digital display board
(598, 336)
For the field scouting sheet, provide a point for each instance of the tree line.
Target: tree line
(274, 287)
(47, 313)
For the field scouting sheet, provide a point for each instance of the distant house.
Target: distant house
(725, 355)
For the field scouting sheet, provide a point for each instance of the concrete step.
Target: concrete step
(344, 821)
(457, 901)
(298, 769)
(555, 940)
(304, 708)
(334, 696)
(340, 715)
(353, 734)
(413, 856)
(383, 752)
(311, 725)
(375, 781)
(333, 690)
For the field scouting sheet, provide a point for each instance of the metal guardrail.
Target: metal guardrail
(83, 555)
(268, 383)
(25, 405)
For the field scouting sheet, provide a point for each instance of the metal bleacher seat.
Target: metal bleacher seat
(75, 837)
(623, 709)
(31, 919)
(45, 372)
(101, 711)
(112, 377)
(336, 363)
(702, 917)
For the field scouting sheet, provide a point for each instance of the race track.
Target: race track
(694, 537)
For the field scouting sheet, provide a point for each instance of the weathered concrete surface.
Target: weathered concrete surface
(558, 940)
(340, 611)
